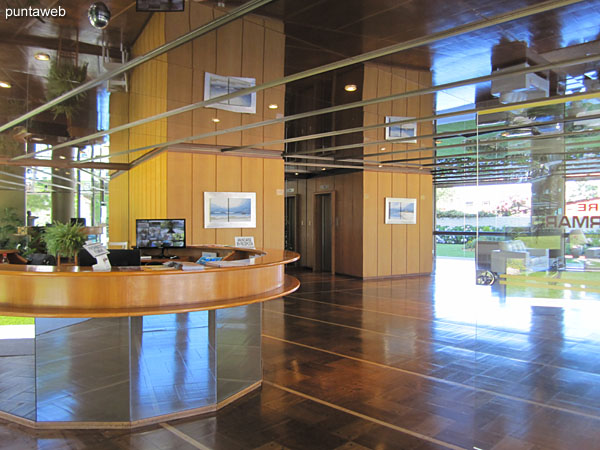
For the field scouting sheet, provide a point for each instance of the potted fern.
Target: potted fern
(64, 76)
(64, 239)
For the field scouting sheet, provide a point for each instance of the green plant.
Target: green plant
(9, 223)
(64, 76)
(64, 239)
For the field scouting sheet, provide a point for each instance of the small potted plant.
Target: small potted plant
(64, 239)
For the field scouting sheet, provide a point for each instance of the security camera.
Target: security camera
(99, 15)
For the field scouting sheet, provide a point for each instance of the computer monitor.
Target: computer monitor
(116, 258)
(160, 233)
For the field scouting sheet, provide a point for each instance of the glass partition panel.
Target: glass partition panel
(172, 364)
(238, 344)
(17, 366)
(82, 369)
(537, 357)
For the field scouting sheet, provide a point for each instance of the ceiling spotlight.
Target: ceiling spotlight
(216, 119)
(380, 166)
(37, 139)
(273, 106)
(5, 84)
(42, 56)
(350, 87)
(323, 168)
(438, 141)
(99, 15)
(68, 172)
(62, 157)
(382, 149)
(296, 173)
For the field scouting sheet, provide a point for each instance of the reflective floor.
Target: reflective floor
(419, 363)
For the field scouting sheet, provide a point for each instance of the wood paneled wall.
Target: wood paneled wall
(250, 47)
(392, 250)
(173, 183)
(381, 80)
(190, 175)
(139, 193)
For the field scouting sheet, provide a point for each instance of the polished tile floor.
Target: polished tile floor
(418, 363)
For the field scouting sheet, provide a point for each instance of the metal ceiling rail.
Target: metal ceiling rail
(519, 105)
(471, 155)
(467, 164)
(517, 165)
(358, 104)
(8, 174)
(491, 179)
(60, 177)
(452, 134)
(484, 131)
(206, 28)
(417, 42)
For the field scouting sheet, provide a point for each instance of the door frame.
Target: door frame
(317, 231)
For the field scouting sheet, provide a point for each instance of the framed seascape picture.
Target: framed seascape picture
(230, 210)
(401, 130)
(218, 85)
(400, 210)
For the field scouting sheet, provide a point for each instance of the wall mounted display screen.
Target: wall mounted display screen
(160, 233)
(160, 5)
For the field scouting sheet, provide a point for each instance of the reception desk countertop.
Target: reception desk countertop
(73, 291)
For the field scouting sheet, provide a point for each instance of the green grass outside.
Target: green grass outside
(454, 250)
(7, 320)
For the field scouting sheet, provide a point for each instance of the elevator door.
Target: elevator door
(324, 232)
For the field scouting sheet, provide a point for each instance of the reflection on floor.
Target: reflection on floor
(392, 364)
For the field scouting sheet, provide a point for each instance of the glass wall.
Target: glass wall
(534, 332)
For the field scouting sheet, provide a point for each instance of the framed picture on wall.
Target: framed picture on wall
(230, 210)
(401, 130)
(401, 211)
(218, 85)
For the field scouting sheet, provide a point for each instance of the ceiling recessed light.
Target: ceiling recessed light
(382, 149)
(5, 84)
(350, 87)
(273, 106)
(323, 168)
(216, 119)
(42, 56)
(380, 165)
(62, 157)
(68, 172)
(296, 173)
(438, 141)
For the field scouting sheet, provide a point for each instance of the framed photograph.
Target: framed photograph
(401, 211)
(230, 210)
(218, 85)
(402, 130)
(160, 5)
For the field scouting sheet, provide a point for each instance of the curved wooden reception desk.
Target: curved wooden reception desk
(136, 345)
(72, 291)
